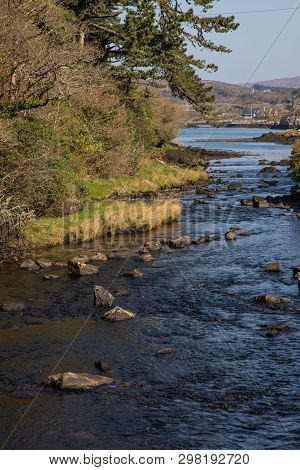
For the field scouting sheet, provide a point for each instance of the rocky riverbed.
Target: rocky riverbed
(167, 339)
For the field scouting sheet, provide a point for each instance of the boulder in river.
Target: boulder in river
(276, 329)
(270, 169)
(244, 233)
(80, 258)
(235, 228)
(284, 162)
(78, 268)
(77, 381)
(206, 239)
(29, 265)
(154, 245)
(12, 307)
(231, 235)
(274, 267)
(98, 257)
(262, 162)
(118, 314)
(211, 195)
(181, 242)
(260, 202)
(102, 298)
(44, 263)
(271, 299)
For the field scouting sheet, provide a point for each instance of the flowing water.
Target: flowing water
(228, 386)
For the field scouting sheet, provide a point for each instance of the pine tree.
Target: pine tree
(149, 39)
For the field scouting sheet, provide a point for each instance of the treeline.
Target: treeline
(75, 99)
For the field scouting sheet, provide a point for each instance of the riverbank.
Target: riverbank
(295, 160)
(104, 214)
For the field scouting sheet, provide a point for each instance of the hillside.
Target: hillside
(291, 82)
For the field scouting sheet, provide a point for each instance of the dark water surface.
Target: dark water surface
(228, 386)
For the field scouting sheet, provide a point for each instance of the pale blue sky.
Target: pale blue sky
(251, 41)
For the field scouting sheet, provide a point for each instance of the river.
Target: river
(227, 387)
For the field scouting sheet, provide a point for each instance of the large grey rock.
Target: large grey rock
(118, 314)
(77, 381)
(102, 298)
(29, 265)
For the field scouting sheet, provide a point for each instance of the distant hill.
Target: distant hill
(292, 82)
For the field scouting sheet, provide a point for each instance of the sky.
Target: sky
(252, 40)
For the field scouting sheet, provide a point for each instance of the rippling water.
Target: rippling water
(227, 387)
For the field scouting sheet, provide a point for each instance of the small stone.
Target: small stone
(134, 273)
(29, 265)
(246, 202)
(274, 267)
(211, 195)
(79, 268)
(98, 257)
(235, 228)
(50, 277)
(231, 235)
(102, 298)
(153, 246)
(12, 307)
(165, 351)
(146, 257)
(44, 263)
(200, 201)
(60, 264)
(181, 242)
(118, 314)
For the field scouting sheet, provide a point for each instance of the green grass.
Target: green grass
(153, 176)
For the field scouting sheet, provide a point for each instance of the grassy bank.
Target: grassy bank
(99, 219)
(295, 160)
(154, 175)
(108, 216)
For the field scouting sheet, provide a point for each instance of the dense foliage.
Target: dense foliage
(76, 91)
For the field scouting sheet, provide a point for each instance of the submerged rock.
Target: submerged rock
(206, 239)
(79, 268)
(102, 366)
(165, 351)
(271, 299)
(153, 246)
(181, 242)
(50, 277)
(29, 265)
(102, 298)
(134, 273)
(60, 264)
(234, 186)
(200, 201)
(270, 169)
(274, 267)
(12, 307)
(146, 257)
(235, 228)
(245, 233)
(276, 329)
(77, 381)
(118, 314)
(98, 257)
